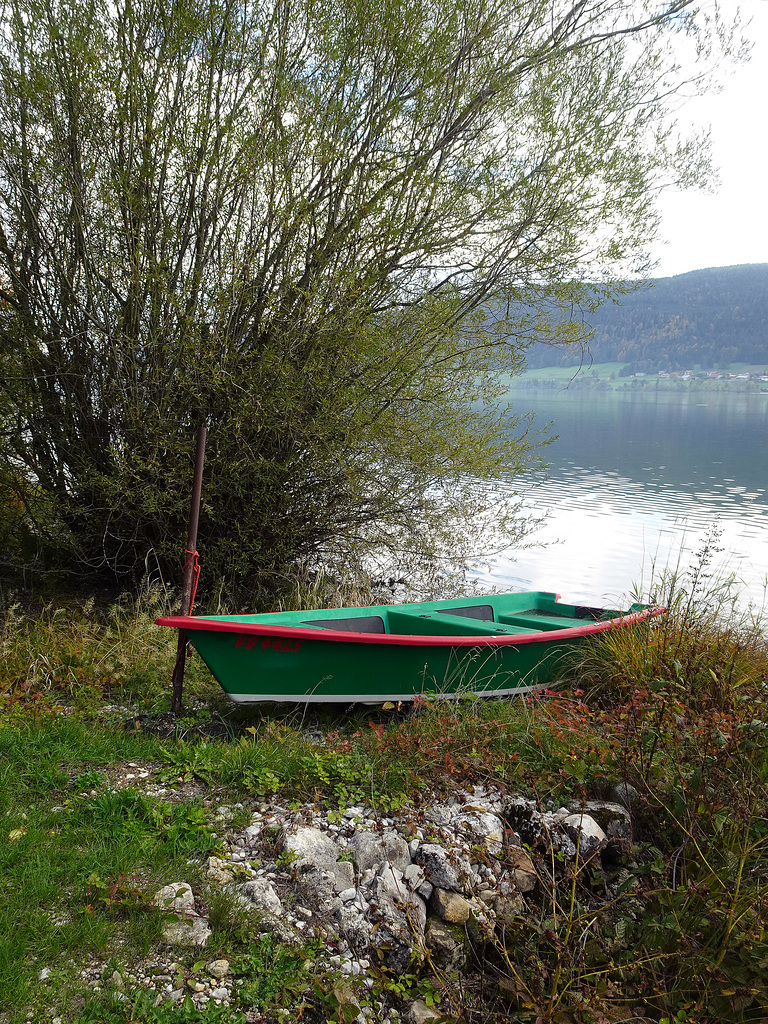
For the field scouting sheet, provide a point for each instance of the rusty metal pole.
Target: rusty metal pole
(190, 569)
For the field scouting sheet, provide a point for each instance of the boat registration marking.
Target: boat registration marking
(279, 643)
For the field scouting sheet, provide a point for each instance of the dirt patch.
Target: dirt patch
(168, 726)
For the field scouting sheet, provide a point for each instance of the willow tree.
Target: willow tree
(323, 227)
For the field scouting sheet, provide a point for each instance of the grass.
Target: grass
(563, 375)
(677, 930)
(74, 858)
(608, 373)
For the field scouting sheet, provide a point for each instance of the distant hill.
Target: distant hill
(707, 318)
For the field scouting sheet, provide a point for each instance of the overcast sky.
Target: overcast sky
(730, 227)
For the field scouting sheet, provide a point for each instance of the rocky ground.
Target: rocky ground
(436, 884)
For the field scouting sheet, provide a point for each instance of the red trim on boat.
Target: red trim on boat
(190, 623)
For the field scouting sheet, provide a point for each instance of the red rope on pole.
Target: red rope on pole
(194, 560)
(191, 571)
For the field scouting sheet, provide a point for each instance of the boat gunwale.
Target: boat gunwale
(195, 623)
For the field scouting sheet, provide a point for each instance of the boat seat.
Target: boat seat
(535, 619)
(594, 614)
(472, 611)
(350, 624)
(444, 624)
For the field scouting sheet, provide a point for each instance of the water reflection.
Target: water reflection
(638, 481)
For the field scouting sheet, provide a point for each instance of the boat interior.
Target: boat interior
(477, 619)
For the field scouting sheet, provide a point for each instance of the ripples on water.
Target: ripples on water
(638, 483)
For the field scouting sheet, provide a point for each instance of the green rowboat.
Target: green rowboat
(487, 646)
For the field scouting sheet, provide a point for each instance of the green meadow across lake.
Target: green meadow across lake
(492, 645)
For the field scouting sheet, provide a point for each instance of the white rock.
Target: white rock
(190, 928)
(218, 968)
(414, 876)
(176, 897)
(425, 890)
(585, 832)
(482, 828)
(401, 928)
(354, 927)
(344, 875)
(391, 878)
(262, 893)
(195, 932)
(614, 818)
(310, 845)
(440, 869)
(219, 871)
(439, 814)
(369, 849)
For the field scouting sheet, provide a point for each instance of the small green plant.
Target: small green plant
(274, 975)
(118, 893)
(189, 760)
(286, 858)
(90, 779)
(126, 816)
(103, 1009)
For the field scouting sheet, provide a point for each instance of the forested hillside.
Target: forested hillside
(707, 318)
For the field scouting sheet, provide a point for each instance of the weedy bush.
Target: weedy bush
(681, 704)
(707, 645)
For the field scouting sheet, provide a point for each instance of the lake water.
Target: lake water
(641, 479)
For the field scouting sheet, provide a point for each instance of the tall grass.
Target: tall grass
(684, 703)
(708, 644)
(79, 654)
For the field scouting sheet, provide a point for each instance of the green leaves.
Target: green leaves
(273, 975)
